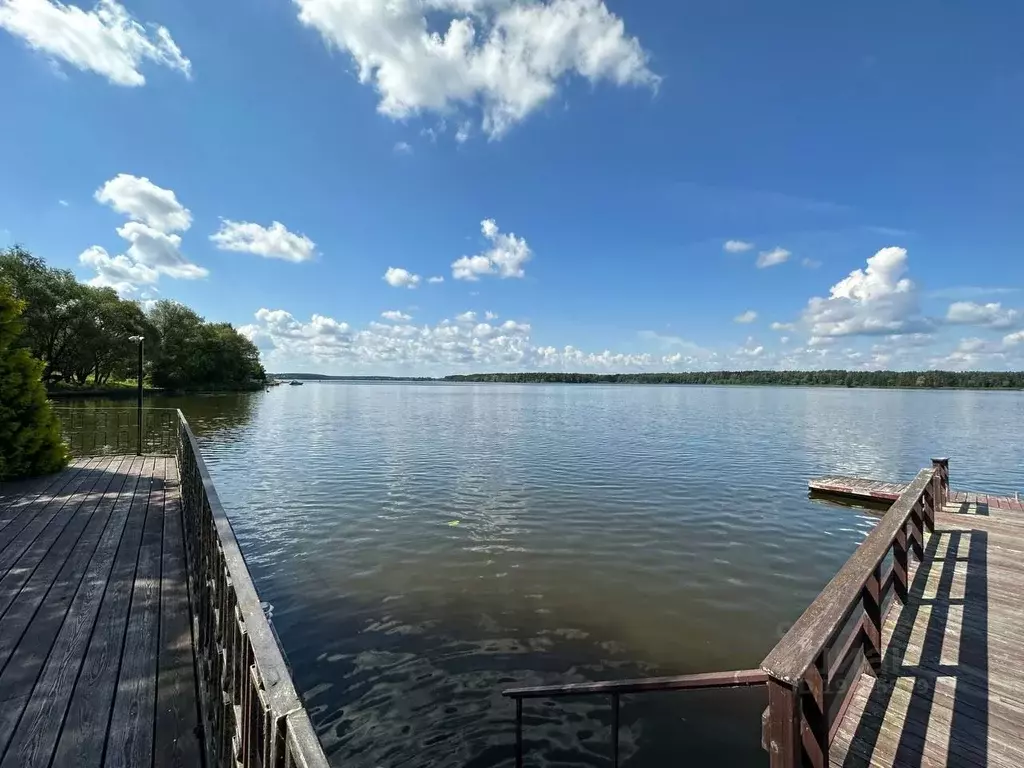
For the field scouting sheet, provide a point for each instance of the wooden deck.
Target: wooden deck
(880, 491)
(952, 685)
(96, 653)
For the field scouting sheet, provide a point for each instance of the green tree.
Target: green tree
(195, 354)
(30, 440)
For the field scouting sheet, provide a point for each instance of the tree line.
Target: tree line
(81, 334)
(830, 378)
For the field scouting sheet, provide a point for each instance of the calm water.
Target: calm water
(603, 532)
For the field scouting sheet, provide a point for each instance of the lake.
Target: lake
(602, 532)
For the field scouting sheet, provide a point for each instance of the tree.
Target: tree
(195, 354)
(30, 440)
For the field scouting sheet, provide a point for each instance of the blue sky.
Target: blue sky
(572, 169)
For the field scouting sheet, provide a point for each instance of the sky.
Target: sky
(444, 186)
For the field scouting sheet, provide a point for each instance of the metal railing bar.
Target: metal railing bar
(743, 678)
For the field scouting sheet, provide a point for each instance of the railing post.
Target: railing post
(519, 733)
(918, 512)
(871, 597)
(615, 730)
(785, 748)
(899, 564)
(941, 493)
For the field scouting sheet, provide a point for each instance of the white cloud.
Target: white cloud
(159, 251)
(396, 315)
(783, 326)
(1014, 338)
(772, 257)
(877, 300)
(463, 133)
(403, 148)
(154, 249)
(436, 279)
(506, 257)
(106, 40)
(991, 315)
(810, 263)
(397, 277)
(737, 246)
(273, 242)
(63, 203)
(490, 316)
(141, 200)
(117, 272)
(466, 317)
(746, 317)
(506, 56)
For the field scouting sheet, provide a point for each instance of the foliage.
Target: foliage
(833, 378)
(82, 333)
(195, 354)
(30, 440)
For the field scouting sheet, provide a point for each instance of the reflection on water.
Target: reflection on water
(604, 532)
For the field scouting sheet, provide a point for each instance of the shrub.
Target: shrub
(30, 440)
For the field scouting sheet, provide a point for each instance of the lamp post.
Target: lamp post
(139, 340)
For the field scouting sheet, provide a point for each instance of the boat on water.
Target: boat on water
(294, 383)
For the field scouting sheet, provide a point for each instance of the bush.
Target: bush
(30, 440)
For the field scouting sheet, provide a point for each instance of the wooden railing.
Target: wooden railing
(745, 678)
(812, 670)
(252, 715)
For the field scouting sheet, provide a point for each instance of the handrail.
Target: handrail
(807, 679)
(743, 678)
(834, 605)
(252, 714)
(703, 681)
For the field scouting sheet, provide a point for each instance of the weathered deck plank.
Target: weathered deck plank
(130, 740)
(92, 610)
(952, 685)
(178, 743)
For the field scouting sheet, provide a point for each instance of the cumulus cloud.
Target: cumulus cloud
(273, 242)
(737, 246)
(783, 326)
(159, 250)
(397, 277)
(746, 317)
(154, 248)
(436, 279)
(505, 258)
(117, 272)
(396, 315)
(141, 200)
(403, 148)
(106, 40)
(507, 57)
(991, 315)
(772, 258)
(877, 300)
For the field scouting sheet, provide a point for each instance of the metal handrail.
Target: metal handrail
(112, 431)
(744, 678)
(252, 714)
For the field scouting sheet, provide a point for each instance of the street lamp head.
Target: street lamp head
(136, 338)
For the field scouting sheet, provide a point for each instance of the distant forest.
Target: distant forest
(836, 378)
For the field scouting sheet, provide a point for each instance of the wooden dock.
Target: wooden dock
(96, 654)
(951, 690)
(880, 491)
(131, 633)
(911, 656)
